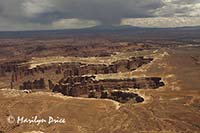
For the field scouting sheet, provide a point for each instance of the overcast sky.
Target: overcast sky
(59, 14)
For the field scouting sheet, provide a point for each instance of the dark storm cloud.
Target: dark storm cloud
(105, 11)
(47, 12)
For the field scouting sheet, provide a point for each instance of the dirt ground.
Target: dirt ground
(172, 108)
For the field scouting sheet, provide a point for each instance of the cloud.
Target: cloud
(177, 8)
(33, 8)
(73, 23)
(105, 11)
(58, 24)
(8, 25)
(82, 13)
(162, 21)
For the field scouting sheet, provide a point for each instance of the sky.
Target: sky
(72, 14)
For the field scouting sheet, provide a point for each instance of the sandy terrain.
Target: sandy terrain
(172, 108)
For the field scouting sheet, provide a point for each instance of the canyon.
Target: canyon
(103, 84)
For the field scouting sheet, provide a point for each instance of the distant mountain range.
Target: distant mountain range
(121, 31)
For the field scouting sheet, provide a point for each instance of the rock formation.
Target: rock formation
(36, 84)
(108, 88)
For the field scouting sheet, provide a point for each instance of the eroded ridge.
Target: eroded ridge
(87, 86)
(110, 88)
(19, 72)
(72, 79)
(21, 68)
